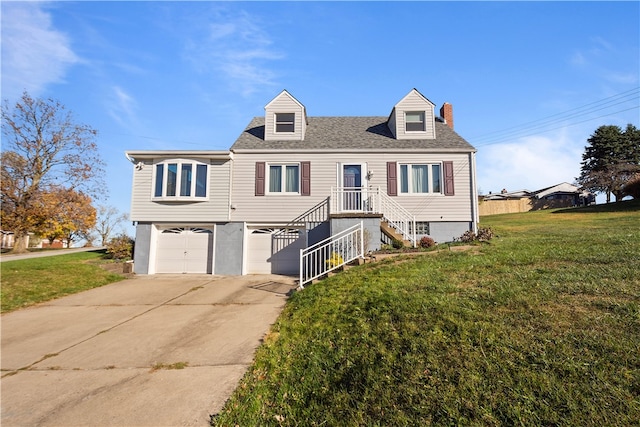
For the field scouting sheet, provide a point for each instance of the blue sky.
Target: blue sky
(529, 81)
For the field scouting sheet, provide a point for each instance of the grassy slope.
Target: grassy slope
(30, 281)
(541, 327)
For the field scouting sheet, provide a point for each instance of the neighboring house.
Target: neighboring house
(8, 239)
(291, 181)
(561, 195)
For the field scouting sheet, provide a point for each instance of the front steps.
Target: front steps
(392, 233)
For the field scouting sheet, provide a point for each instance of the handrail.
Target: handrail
(374, 200)
(331, 253)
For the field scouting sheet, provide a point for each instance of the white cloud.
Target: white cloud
(529, 163)
(34, 54)
(238, 50)
(122, 106)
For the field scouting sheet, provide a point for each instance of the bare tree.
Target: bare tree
(43, 148)
(109, 219)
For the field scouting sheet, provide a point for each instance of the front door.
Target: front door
(352, 183)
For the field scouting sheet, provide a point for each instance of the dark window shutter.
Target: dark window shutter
(260, 178)
(448, 178)
(305, 180)
(392, 179)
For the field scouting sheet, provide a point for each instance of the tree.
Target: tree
(632, 187)
(108, 220)
(43, 149)
(610, 160)
(67, 214)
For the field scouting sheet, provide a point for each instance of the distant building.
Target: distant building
(561, 195)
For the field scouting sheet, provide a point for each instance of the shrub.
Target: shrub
(484, 234)
(120, 247)
(427, 242)
(397, 244)
(468, 237)
(335, 260)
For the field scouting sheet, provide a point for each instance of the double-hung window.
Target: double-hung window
(285, 122)
(181, 180)
(414, 121)
(420, 178)
(284, 178)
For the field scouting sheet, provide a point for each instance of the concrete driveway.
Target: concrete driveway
(111, 356)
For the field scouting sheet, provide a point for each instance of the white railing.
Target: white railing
(331, 253)
(374, 200)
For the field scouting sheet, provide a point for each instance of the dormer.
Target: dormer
(413, 117)
(285, 119)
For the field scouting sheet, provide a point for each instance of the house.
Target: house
(561, 195)
(292, 181)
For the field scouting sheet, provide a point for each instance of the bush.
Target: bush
(335, 260)
(484, 235)
(120, 248)
(397, 244)
(468, 237)
(427, 242)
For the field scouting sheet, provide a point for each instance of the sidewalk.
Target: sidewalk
(45, 253)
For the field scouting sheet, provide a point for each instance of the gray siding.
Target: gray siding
(216, 208)
(142, 249)
(324, 175)
(371, 226)
(228, 251)
(448, 231)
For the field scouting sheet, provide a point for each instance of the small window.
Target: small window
(285, 122)
(420, 178)
(422, 228)
(284, 178)
(180, 180)
(414, 121)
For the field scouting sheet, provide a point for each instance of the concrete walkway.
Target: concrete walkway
(111, 356)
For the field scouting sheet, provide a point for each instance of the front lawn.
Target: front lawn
(30, 281)
(541, 326)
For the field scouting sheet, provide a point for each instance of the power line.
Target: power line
(525, 129)
(560, 127)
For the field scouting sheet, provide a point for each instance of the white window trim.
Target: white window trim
(282, 165)
(178, 197)
(429, 178)
(275, 123)
(424, 121)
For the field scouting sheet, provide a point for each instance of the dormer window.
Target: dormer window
(285, 122)
(414, 121)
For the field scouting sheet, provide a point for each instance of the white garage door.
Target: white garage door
(185, 250)
(274, 250)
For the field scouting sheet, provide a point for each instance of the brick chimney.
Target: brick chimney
(446, 112)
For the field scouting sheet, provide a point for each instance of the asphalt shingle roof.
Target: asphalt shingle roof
(347, 133)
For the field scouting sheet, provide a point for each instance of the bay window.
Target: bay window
(180, 180)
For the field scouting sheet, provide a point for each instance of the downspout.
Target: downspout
(474, 193)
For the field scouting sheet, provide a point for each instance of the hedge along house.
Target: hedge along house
(291, 181)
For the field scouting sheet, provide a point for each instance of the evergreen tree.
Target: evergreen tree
(610, 160)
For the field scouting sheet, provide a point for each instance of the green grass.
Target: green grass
(31, 281)
(541, 326)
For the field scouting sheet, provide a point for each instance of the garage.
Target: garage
(274, 250)
(185, 250)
